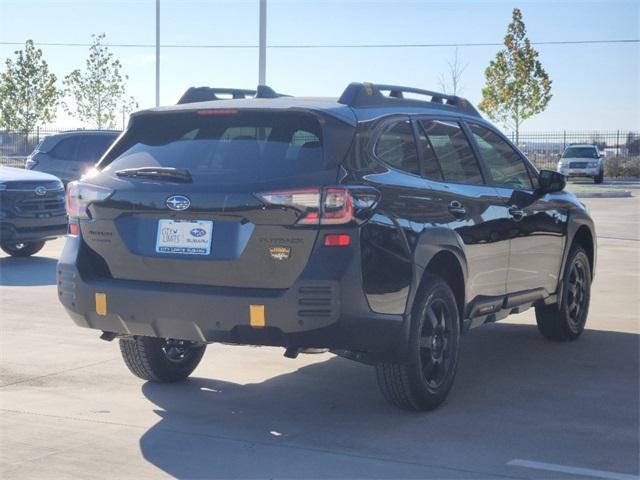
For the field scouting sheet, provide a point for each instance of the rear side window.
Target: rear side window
(452, 151)
(396, 146)
(430, 166)
(505, 165)
(92, 147)
(234, 147)
(66, 149)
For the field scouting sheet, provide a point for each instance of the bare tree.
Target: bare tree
(451, 82)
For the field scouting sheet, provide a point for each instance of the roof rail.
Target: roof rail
(371, 95)
(205, 94)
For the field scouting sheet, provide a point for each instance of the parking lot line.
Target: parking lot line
(588, 472)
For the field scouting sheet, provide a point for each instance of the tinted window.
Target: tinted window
(452, 151)
(240, 147)
(430, 166)
(397, 147)
(93, 146)
(66, 148)
(580, 152)
(505, 165)
(301, 137)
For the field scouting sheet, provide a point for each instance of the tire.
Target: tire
(566, 320)
(22, 249)
(423, 382)
(599, 178)
(160, 360)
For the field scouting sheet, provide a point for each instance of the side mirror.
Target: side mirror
(551, 181)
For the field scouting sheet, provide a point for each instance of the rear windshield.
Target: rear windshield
(219, 146)
(580, 152)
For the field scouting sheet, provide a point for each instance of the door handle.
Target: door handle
(456, 208)
(516, 213)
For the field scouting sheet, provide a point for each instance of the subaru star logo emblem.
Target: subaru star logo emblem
(40, 190)
(178, 202)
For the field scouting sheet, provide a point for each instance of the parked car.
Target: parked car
(582, 161)
(70, 155)
(377, 226)
(32, 210)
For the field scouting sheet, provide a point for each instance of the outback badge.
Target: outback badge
(280, 253)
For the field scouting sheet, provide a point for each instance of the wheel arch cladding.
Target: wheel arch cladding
(446, 265)
(584, 238)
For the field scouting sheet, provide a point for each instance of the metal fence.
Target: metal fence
(19, 145)
(621, 148)
(544, 148)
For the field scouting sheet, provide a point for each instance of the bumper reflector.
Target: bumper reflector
(337, 240)
(256, 316)
(101, 304)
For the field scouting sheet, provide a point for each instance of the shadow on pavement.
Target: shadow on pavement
(516, 396)
(30, 271)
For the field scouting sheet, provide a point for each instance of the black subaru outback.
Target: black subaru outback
(374, 225)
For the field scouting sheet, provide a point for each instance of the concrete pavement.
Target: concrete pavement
(69, 408)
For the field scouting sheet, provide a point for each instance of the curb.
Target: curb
(623, 194)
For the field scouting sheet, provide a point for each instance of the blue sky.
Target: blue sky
(594, 86)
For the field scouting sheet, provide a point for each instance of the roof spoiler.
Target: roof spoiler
(206, 94)
(371, 95)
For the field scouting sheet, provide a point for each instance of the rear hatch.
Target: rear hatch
(215, 197)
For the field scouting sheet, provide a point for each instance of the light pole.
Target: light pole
(157, 53)
(262, 49)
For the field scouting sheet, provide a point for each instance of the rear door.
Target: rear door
(461, 200)
(248, 216)
(537, 223)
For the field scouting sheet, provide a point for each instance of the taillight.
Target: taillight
(305, 199)
(337, 207)
(74, 229)
(80, 195)
(331, 206)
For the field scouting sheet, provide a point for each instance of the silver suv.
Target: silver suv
(582, 161)
(70, 154)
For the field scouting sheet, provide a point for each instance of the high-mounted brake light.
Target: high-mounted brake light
(217, 111)
(80, 195)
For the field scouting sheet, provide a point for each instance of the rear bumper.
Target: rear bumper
(317, 311)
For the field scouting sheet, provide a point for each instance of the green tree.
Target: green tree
(28, 93)
(98, 94)
(517, 86)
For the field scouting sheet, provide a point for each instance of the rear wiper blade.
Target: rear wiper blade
(159, 173)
